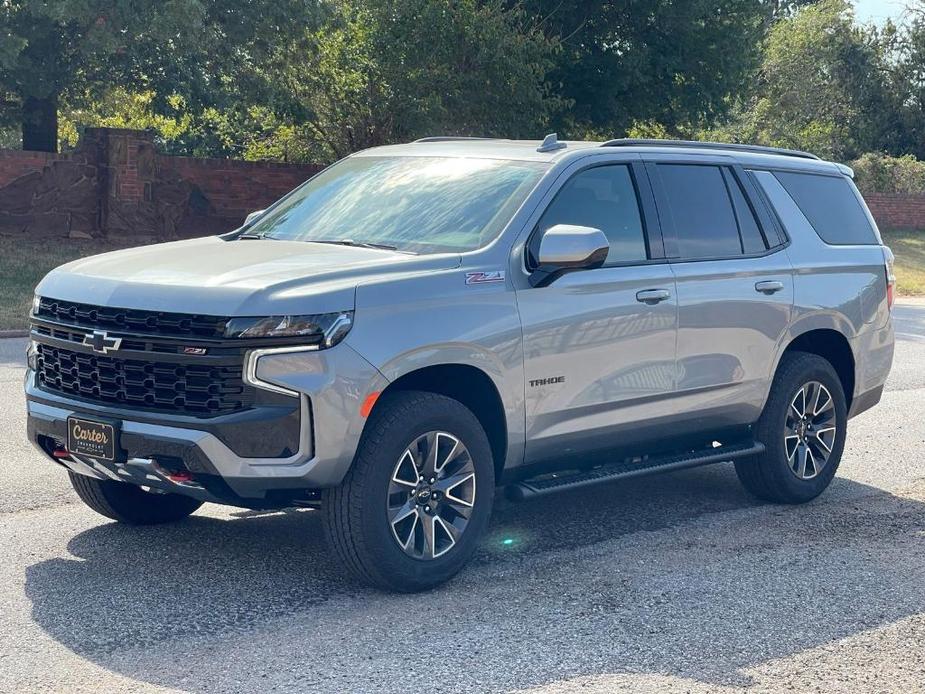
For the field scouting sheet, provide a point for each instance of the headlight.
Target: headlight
(325, 329)
(36, 303)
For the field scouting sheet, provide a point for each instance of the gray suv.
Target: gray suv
(421, 325)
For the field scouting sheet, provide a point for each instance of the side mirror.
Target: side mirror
(566, 248)
(253, 216)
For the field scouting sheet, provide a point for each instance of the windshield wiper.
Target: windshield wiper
(358, 244)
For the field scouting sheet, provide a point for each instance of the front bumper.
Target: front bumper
(330, 386)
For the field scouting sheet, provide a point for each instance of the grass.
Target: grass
(24, 262)
(909, 249)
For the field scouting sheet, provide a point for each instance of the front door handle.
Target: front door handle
(652, 296)
(769, 287)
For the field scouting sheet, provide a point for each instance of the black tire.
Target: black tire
(355, 514)
(126, 503)
(769, 476)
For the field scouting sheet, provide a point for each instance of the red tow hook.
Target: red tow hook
(60, 453)
(180, 476)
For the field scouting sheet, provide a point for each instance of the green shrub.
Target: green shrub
(879, 173)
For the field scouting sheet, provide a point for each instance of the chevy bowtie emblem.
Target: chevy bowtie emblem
(100, 341)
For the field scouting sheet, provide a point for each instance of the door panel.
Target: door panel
(735, 290)
(728, 334)
(599, 345)
(598, 361)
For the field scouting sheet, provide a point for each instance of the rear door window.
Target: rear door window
(701, 211)
(753, 240)
(830, 205)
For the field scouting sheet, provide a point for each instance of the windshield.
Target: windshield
(412, 204)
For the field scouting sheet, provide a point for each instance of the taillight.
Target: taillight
(888, 259)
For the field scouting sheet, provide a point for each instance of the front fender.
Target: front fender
(405, 325)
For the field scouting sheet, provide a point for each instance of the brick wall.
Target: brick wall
(897, 211)
(15, 163)
(237, 188)
(117, 185)
(48, 194)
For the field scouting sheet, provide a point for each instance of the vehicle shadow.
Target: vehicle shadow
(681, 575)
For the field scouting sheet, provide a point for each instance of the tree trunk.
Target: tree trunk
(40, 124)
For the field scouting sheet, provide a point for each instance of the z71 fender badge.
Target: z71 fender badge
(485, 277)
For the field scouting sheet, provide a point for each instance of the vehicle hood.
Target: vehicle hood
(235, 278)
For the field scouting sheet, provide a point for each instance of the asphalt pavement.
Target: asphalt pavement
(680, 582)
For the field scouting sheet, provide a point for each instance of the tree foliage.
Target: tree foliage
(73, 51)
(678, 64)
(381, 71)
(317, 79)
(822, 86)
(879, 173)
(908, 78)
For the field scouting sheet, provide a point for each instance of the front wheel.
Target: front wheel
(129, 504)
(803, 429)
(418, 497)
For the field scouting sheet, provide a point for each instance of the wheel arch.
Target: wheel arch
(470, 386)
(834, 347)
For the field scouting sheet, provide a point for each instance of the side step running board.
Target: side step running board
(528, 489)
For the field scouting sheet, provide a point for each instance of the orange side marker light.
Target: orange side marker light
(368, 403)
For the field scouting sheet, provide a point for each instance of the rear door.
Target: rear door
(735, 288)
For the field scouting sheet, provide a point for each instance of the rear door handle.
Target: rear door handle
(652, 296)
(769, 287)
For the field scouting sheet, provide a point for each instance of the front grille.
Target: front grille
(137, 344)
(152, 323)
(178, 388)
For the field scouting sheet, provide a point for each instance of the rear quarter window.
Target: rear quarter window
(831, 206)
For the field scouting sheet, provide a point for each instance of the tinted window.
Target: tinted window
(701, 211)
(753, 240)
(604, 198)
(830, 205)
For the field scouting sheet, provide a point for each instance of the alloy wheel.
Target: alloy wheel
(810, 429)
(431, 495)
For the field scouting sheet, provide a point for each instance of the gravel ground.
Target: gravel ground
(672, 583)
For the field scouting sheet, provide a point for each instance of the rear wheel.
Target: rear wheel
(129, 504)
(803, 428)
(418, 497)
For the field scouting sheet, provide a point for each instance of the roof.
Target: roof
(525, 150)
(534, 150)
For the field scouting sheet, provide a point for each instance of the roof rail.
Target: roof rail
(757, 149)
(452, 138)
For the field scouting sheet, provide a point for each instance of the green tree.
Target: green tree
(679, 64)
(824, 85)
(54, 51)
(381, 71)
(908, 76)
